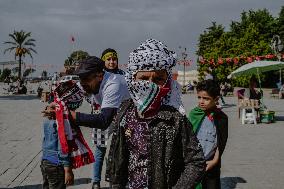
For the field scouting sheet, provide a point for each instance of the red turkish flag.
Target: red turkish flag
(72, 38)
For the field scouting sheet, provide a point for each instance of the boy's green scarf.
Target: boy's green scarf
(196, 117)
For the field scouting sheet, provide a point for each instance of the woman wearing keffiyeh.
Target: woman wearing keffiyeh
(153, 146)
(64, 147)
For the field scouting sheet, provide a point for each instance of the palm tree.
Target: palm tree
(21, 44)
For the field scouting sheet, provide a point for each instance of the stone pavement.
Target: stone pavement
(253, 159)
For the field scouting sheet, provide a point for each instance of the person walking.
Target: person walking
(153, 145)
(211, 127)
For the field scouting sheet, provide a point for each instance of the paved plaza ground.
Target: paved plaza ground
(253, 159)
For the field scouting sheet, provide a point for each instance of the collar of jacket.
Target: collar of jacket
(163, 113)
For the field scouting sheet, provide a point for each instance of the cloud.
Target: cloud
(120, 24)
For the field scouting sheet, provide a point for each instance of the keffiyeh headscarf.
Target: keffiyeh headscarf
(69, 96)
(148, 96)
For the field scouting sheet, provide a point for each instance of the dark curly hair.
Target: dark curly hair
(210, 86)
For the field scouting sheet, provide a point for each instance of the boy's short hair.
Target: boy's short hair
(210, 86)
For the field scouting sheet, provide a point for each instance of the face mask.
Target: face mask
(148, 96)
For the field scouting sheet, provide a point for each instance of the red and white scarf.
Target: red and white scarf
(70, 136)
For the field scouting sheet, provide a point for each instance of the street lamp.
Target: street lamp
(184, 56)
(277, 46)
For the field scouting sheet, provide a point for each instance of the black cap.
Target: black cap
(91, 64)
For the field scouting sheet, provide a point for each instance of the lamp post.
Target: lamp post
(277, 46)
(184, 56)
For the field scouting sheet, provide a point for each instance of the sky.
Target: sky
(119, 24)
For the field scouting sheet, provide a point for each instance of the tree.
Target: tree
(15, 70)
(6, 73)
(281, 24)
(28, 71)
(74, 58)
(21, 44)
(249, 37)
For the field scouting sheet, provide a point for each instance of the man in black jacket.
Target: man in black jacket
(153, 145)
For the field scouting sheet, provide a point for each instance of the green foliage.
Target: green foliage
(251, 36)
(281, 24)
(28, 71)
(75, 57)
(6, 72)
(21, 44)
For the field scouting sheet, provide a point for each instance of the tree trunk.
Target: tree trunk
(20, 67)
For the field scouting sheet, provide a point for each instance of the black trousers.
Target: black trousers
(53, 175)
(211, 180)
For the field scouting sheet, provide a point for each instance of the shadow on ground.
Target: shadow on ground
(18, 97)
(82, 181)
(226, 183)
(78, 181)
(279, 118)
(228, 105)
(231, 182)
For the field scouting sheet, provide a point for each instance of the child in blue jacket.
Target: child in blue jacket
(55, 166)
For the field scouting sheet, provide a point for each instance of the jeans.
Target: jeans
(53, 175)
(97, 166)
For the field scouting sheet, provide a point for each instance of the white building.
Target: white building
(190, 76)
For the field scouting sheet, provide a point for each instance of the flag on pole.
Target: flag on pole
(72, 38)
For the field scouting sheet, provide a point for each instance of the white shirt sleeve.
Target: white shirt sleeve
(112, 95)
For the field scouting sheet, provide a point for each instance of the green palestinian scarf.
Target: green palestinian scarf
(196, 117)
